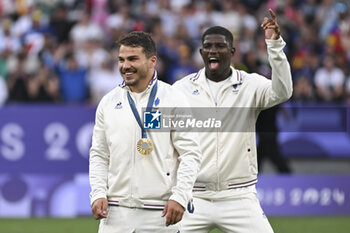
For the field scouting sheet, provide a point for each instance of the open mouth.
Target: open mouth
(128, 74)
(213, 63)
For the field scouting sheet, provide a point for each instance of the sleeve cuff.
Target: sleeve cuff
(275, 43)
(95, 197)
(179, 200)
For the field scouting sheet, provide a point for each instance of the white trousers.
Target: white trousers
(239, 215)
(135, 220)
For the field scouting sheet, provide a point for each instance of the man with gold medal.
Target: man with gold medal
(140, 181)
(144, 145)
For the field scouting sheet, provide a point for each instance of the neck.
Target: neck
(138, 88)
(216, 77)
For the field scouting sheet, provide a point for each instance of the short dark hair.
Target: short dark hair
(221, 31)
(139, 39)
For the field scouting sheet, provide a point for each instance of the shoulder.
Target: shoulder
(171, 93)
(112, 96)
(189, 83)
(166, 89)
(253, 81)
(187, 80)
(252, 78)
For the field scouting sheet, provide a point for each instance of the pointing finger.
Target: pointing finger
(273, 16)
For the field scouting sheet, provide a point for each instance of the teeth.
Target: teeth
(213, 59)
(128, 73)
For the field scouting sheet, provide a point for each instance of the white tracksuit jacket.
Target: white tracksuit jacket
(230, 158)
(121, 174)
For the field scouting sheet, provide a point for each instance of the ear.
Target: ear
(233, 50)
(153, 60)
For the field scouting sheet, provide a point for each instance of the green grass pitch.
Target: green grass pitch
(88, 225)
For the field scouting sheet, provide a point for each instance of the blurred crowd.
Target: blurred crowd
(64, 51)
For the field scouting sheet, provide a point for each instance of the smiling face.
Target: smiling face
(137, 70)
(217, 53)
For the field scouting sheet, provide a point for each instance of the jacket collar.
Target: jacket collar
(200, 79)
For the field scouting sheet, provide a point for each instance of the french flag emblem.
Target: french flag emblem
(156, 102)
(235, 88)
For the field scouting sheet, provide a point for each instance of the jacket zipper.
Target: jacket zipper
(217, 105)
(137, 137)
(217, 142)
(217, 150)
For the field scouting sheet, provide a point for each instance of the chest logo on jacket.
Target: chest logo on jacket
(119, 105)
(195, 92)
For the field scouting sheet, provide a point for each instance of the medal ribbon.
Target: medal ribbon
(151, 98)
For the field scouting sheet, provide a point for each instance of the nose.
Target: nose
(213, 49)
(124, 65)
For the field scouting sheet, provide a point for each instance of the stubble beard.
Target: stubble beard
(130, 83)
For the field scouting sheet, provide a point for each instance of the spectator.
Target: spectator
(73, 78)
(9, 42)
(305, 67)
(34, 38)
(17, 81)
(60, 24)
(168, 17)
(119, 21)
(230, 18)
(85, 30)
(103, 80)
(326, 16)
(303, 90)
(99, 11)
(329, 81)
(182, 67)
(92, 55)
(43, 86)
(189, 21)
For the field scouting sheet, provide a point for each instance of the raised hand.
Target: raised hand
(272, 30)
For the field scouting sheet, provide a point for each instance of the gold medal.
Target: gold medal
(144, 146)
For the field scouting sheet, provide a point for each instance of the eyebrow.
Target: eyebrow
(129, 57)
(216, 43)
